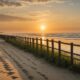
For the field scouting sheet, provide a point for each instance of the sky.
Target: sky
(57, 16)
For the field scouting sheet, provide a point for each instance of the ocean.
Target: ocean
(63, 37)
(69, 37)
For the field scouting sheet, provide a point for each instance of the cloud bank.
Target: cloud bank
(23, 2)
(4, 17)
(9, 3)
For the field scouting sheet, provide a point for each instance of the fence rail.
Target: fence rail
(36, 45)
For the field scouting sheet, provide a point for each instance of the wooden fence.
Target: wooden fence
(37, 46)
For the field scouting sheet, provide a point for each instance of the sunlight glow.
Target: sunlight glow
(43, 27)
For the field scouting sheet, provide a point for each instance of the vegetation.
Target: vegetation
(42, 51)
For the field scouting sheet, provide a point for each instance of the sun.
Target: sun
(43, 27)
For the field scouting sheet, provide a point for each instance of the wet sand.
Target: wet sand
(16, 64)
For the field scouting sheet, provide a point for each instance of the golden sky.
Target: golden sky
(28, 15)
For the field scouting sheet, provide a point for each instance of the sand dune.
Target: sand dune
(16, 64)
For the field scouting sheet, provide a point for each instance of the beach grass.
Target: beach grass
(42, 52)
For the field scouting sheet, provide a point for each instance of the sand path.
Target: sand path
(16, 64)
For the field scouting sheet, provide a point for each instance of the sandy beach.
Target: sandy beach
(16, 64)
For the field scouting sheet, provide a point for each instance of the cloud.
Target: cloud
(4, 17)
(37, 0)
(58, 1)
(9, 3)
(52, 1)
(25, 2)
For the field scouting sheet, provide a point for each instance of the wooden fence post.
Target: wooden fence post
(59, 51)
(33, 44)
(72, 53)
(52, 43)
(27, 43)
(47, 44)
(41, 46)
(30, 42)
(25, 40)
(37, 45)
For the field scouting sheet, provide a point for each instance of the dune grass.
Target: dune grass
(41, 52)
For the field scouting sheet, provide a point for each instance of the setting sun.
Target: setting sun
(43, 27)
